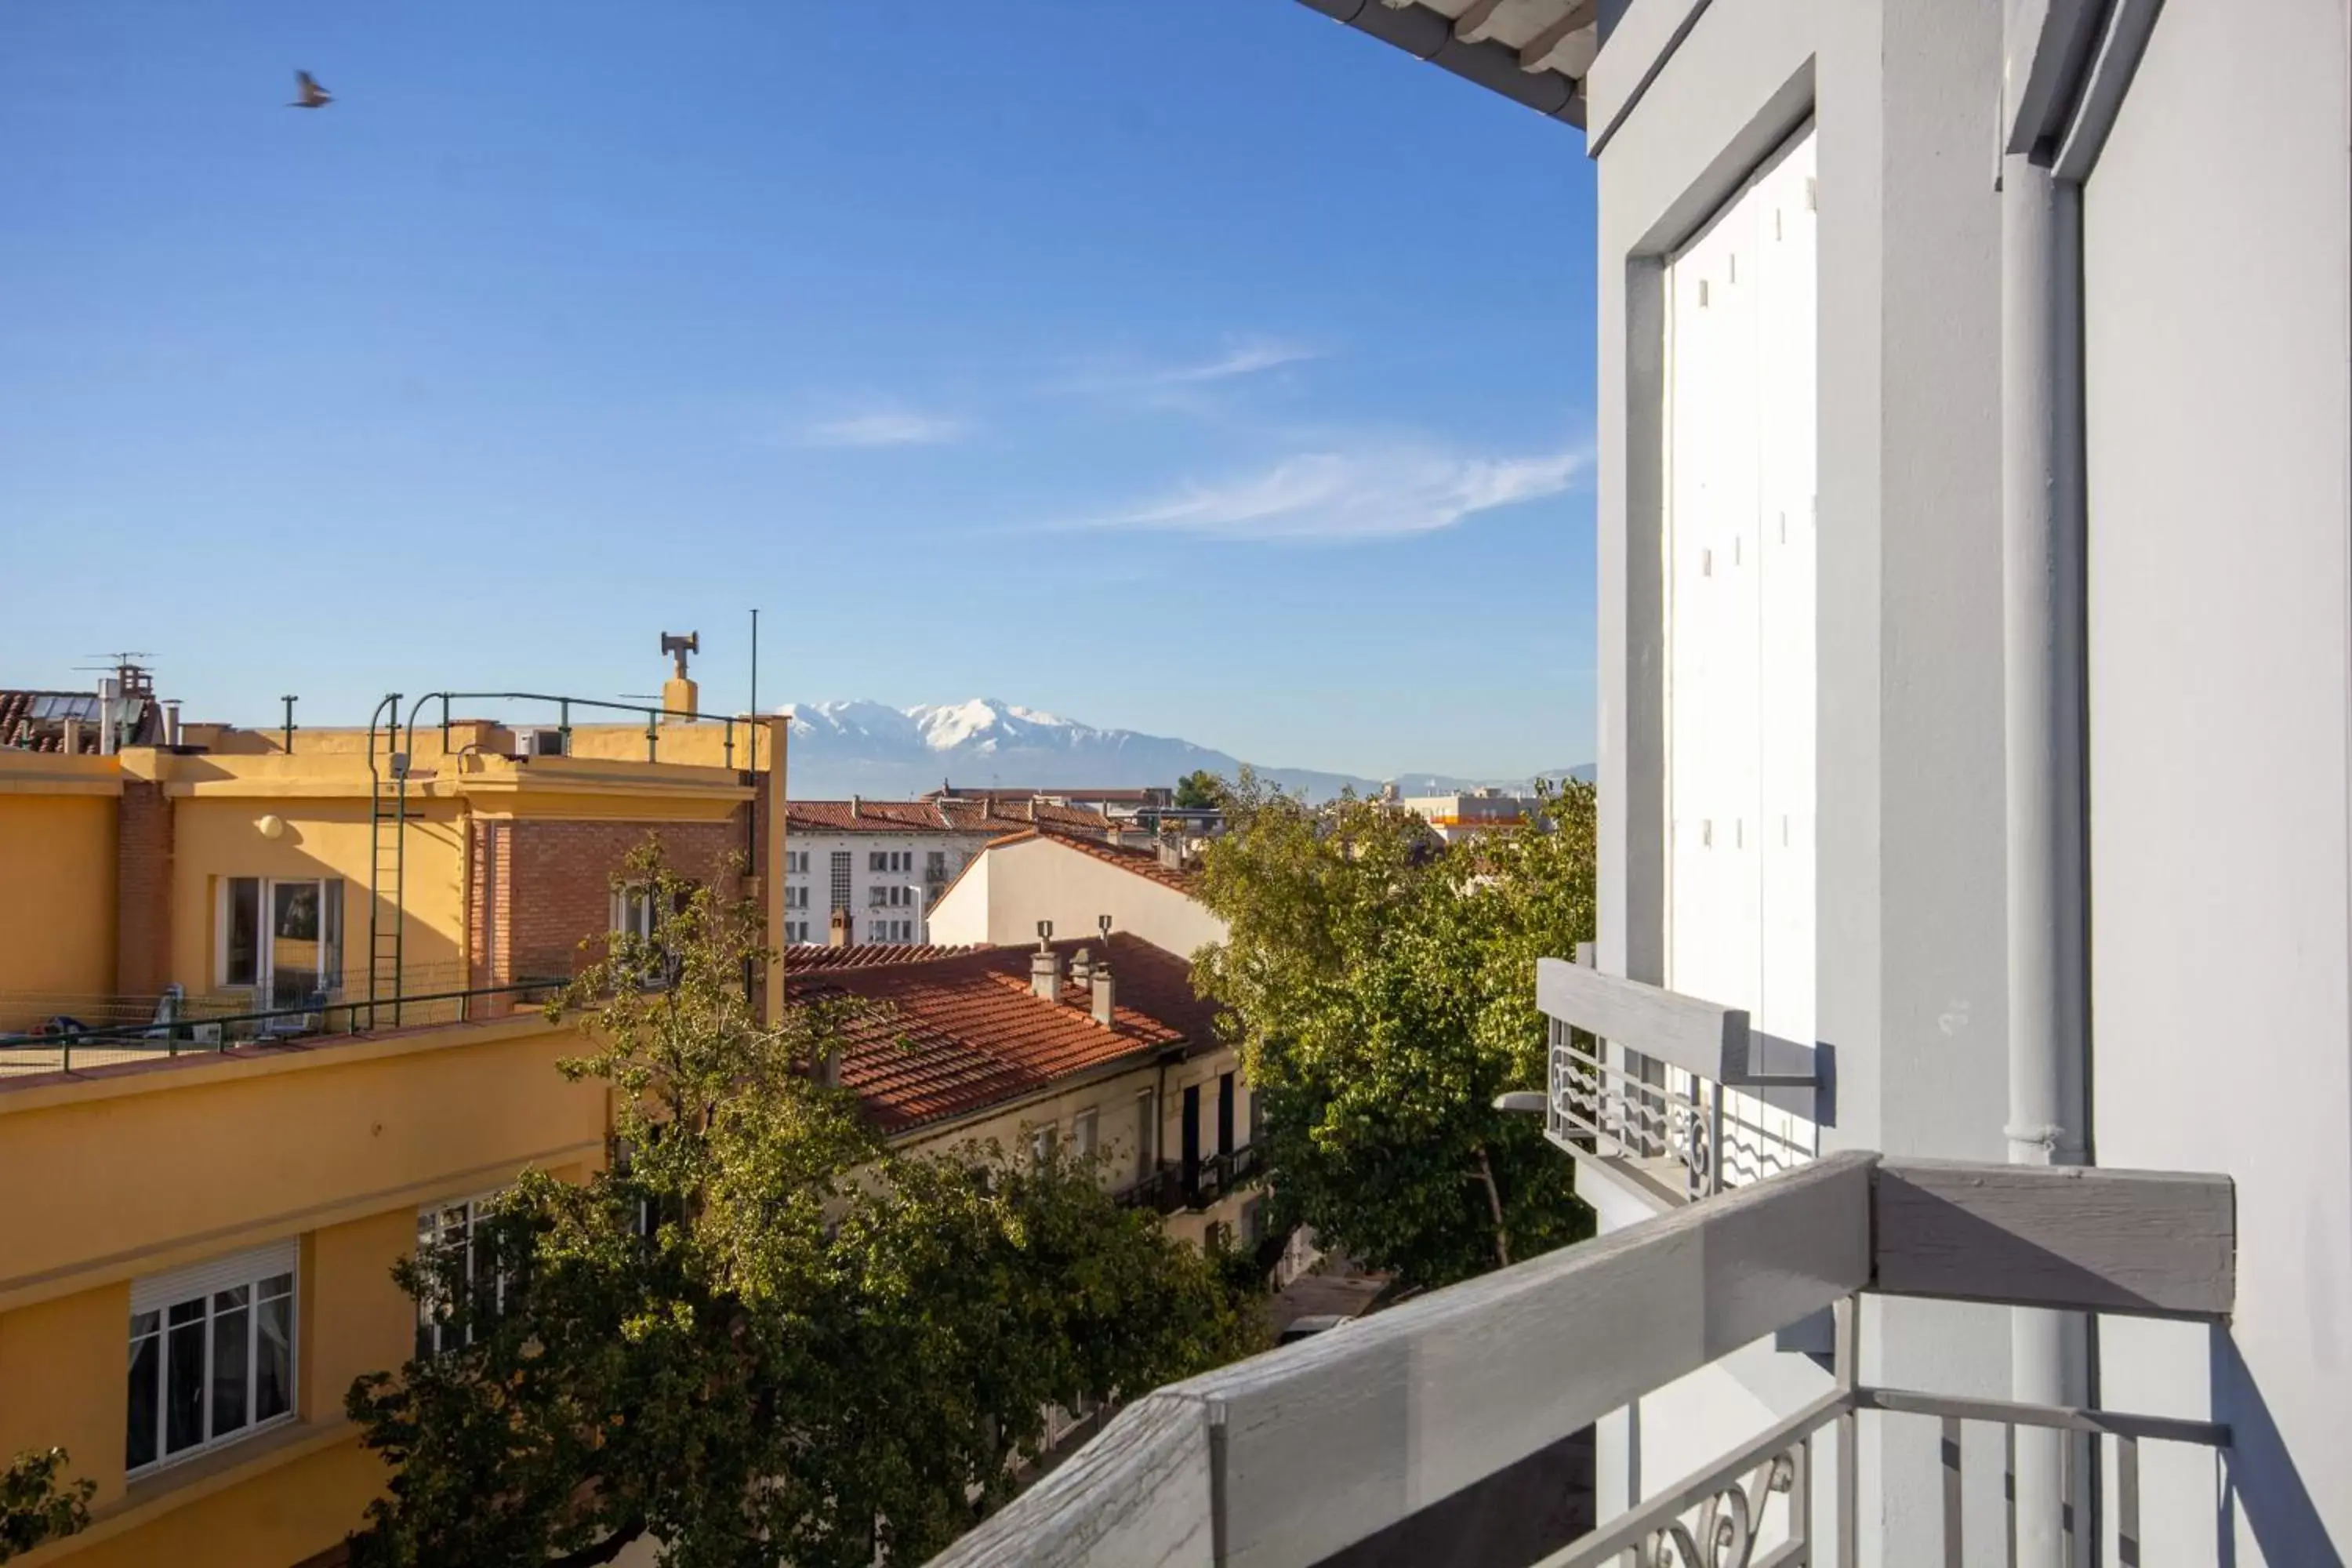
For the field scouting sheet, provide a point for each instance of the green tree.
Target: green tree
(763, 1337)
(34, 1508)
(1200, 790)
(1382, 988)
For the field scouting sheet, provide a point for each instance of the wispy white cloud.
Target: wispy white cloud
(1242, 356)
(1350, 495)
(885, 426)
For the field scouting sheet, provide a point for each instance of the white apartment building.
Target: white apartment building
(1963, 1072)
(1464, 814)
(883, 863)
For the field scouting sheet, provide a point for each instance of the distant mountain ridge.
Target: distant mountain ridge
(842, 749)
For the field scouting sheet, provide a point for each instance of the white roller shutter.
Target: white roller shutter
(1739, 615)
(159, 1291)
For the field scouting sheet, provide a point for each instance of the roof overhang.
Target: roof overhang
(1534, 52)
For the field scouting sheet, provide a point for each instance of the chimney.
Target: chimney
(109, 709)
(73, 738)
(852, 807)
(836, 930)
(1102, 993)
(1046, 965)
(1082, 966)
(172, 722)
(1171, 852)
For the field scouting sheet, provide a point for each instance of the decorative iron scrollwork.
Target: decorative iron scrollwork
(1723, 1533)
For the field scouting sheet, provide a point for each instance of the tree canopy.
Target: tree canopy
(1381, 984)
(34, 1508)
(1200, 790)
(762, 1337)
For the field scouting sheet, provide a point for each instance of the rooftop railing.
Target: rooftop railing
(1285, 1460)
(107, 1032)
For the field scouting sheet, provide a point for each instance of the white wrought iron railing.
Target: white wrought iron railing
(1288, 1459)
(1671, 1087)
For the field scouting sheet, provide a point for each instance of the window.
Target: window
(796, 931)
(449, 1229)
(935, 866)
(1083, 1132)
(897, 895)
(212, 1354)
(890, 861)
(282, 939)
(890, 930)
(796, 862)
(840, 879)
(1147, 1134)
(633, 912)
(796, 898)
(1042, 1144)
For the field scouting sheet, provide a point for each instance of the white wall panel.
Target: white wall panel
(1739, 615)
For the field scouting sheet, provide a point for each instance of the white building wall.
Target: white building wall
(1908, 998)
(809, 893)
(1015, 885)
(2217, 247)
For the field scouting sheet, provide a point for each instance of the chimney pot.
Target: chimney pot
(1045, 974)
(836, 930)
(1103, 997)
(1082, 966)
(853, 806)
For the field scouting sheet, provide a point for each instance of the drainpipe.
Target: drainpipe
(2044, 676)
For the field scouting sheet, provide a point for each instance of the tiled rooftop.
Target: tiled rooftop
(963, 1031)
(35, 721)
(802, 958)
(968, 814)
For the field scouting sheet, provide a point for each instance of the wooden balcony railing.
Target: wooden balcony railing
(1284, 1459)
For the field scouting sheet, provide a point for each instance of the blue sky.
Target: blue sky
(1204, 369)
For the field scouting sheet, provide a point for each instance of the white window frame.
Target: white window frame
(1085, 1131)
(267, 1275)
(332, 892)
(436, 1227)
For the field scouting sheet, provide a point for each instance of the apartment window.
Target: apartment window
(796, 931)
(890, 861)
(211, 1355)
(890, 930)
(796, 898)
(897, 895)
(840, 879)
(1042, 1144)
(1082, 1135)
(1147, 1134)
(282, 938)
(796, 862)
(935, 866)
(451, 1231)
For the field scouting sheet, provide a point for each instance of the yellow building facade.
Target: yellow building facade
(196, 1259)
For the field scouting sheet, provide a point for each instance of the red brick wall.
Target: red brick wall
(489, 917)
(557, 881)
(142, 890)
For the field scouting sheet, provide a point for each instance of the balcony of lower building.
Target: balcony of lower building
(1174, 1186)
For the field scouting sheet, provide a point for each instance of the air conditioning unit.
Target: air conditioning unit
(542, 742)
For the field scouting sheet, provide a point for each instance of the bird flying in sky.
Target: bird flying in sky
(309, 94)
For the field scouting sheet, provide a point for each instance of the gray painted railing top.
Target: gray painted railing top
(1283, 1459)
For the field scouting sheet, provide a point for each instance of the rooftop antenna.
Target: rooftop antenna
(756, 725)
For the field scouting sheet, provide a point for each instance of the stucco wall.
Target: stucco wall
(57, 903)
(1911, 993)
(2217, 247)
(1017, 885)
(146, 1171)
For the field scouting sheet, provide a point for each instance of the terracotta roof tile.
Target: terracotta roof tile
(967, 814)
(803, 958)
(962, 1032)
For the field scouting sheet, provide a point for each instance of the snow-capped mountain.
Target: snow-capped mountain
(867, 748)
